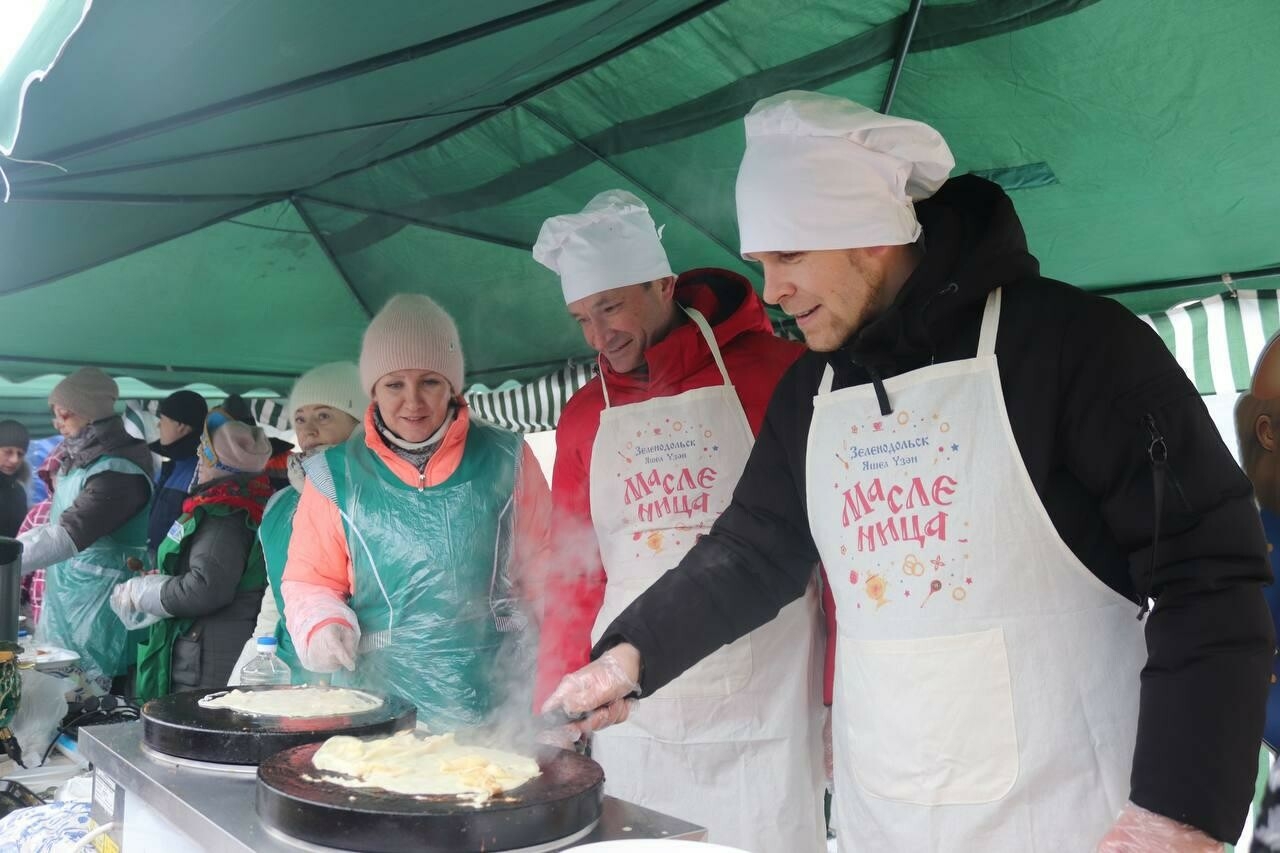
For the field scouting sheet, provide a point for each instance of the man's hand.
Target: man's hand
(1137, 830)
(602, 689)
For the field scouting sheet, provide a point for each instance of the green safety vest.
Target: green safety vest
(77, 613)
(431, 570)
(155, 654)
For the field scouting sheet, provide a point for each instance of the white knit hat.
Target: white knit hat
(411, 332)
(611, 243)
(88, 392)
(822, 172)
(336, 384)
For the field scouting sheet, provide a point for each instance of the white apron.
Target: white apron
(986, 681)
(734, 744)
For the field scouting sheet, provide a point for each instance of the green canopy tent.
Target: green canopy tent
(232, 187)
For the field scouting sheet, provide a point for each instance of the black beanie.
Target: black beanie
(13, 434)
(185, 407)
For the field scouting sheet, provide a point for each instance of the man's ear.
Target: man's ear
(1266, 436)
(667, 287)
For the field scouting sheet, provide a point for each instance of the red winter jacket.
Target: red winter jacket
(756, 360)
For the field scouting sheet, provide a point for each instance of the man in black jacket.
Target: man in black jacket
(999, 471)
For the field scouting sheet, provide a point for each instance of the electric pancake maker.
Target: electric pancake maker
(560, 806)
(178, 729)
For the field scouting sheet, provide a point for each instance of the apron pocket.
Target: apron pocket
(930, 721)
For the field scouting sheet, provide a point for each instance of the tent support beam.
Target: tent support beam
(328, 253)
(151, 368)
(303, 84)
(533, 91)
(1223, 281)
(900, 59)
(262, 202)
(409, 220)
(241, 149)
(627, 176)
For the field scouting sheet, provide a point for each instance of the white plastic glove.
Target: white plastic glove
(330, 648)
(137, 601)
(45, 545)
(602, 689)
(1137, 830)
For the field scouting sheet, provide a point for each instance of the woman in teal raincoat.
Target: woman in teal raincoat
(417, 544)
(96, 535)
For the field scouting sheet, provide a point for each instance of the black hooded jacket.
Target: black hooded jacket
(1086, 383)
(13, 500)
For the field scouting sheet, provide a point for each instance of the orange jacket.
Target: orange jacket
(318, 555)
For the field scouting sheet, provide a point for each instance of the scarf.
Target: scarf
(249, 494)
(418, 453)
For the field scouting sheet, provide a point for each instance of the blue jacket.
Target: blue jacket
(172, 488)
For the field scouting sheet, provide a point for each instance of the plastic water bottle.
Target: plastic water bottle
(266, 668)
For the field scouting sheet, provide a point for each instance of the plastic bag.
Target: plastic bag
(40, 712)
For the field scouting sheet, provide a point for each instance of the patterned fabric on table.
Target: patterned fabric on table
(52, 828)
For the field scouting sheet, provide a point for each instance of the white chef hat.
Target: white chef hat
(822, 172)
(611, 243)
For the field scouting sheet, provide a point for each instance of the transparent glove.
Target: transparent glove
(599, 688)
(601, 718)
(1137, 830)
(330, 648)
(137, 601)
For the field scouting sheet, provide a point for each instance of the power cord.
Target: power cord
(95, 710)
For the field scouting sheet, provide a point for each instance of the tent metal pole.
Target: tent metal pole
(409, 220)
(328, 253)
(303, 84)
(1223, 281)
(625, 175)
(903, 49)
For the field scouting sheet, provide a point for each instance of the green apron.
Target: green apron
(274, 534)
(432, 588)
(77, 612)
(155, 654)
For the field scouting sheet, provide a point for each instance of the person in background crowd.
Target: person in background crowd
(417, 540)
(277, 468)
(96, 534)
(327, 404)
(14, 476)
(202, 604)
(181, 417)
(687, 365)
(33, 583)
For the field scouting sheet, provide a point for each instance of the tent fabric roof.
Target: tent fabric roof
(239, 185)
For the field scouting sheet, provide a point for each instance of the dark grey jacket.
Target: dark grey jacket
(204, 589)
(108, 500)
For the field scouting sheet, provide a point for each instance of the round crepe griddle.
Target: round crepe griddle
(177, 725)
(293, 799)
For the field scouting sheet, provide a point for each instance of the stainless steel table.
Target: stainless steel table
(161, 805)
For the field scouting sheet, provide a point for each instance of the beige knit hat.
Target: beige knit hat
(234, 447)
(88, 392)
(411, 332)
(336, 384)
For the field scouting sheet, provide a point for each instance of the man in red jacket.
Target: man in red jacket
(647, 457)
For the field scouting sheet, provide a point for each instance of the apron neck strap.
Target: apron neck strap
(604, 384)
(707, 335)
(710, 337)
(828, 377)
(990, 324)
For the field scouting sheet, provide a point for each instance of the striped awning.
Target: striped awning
(536, 405)
(1218, 340)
